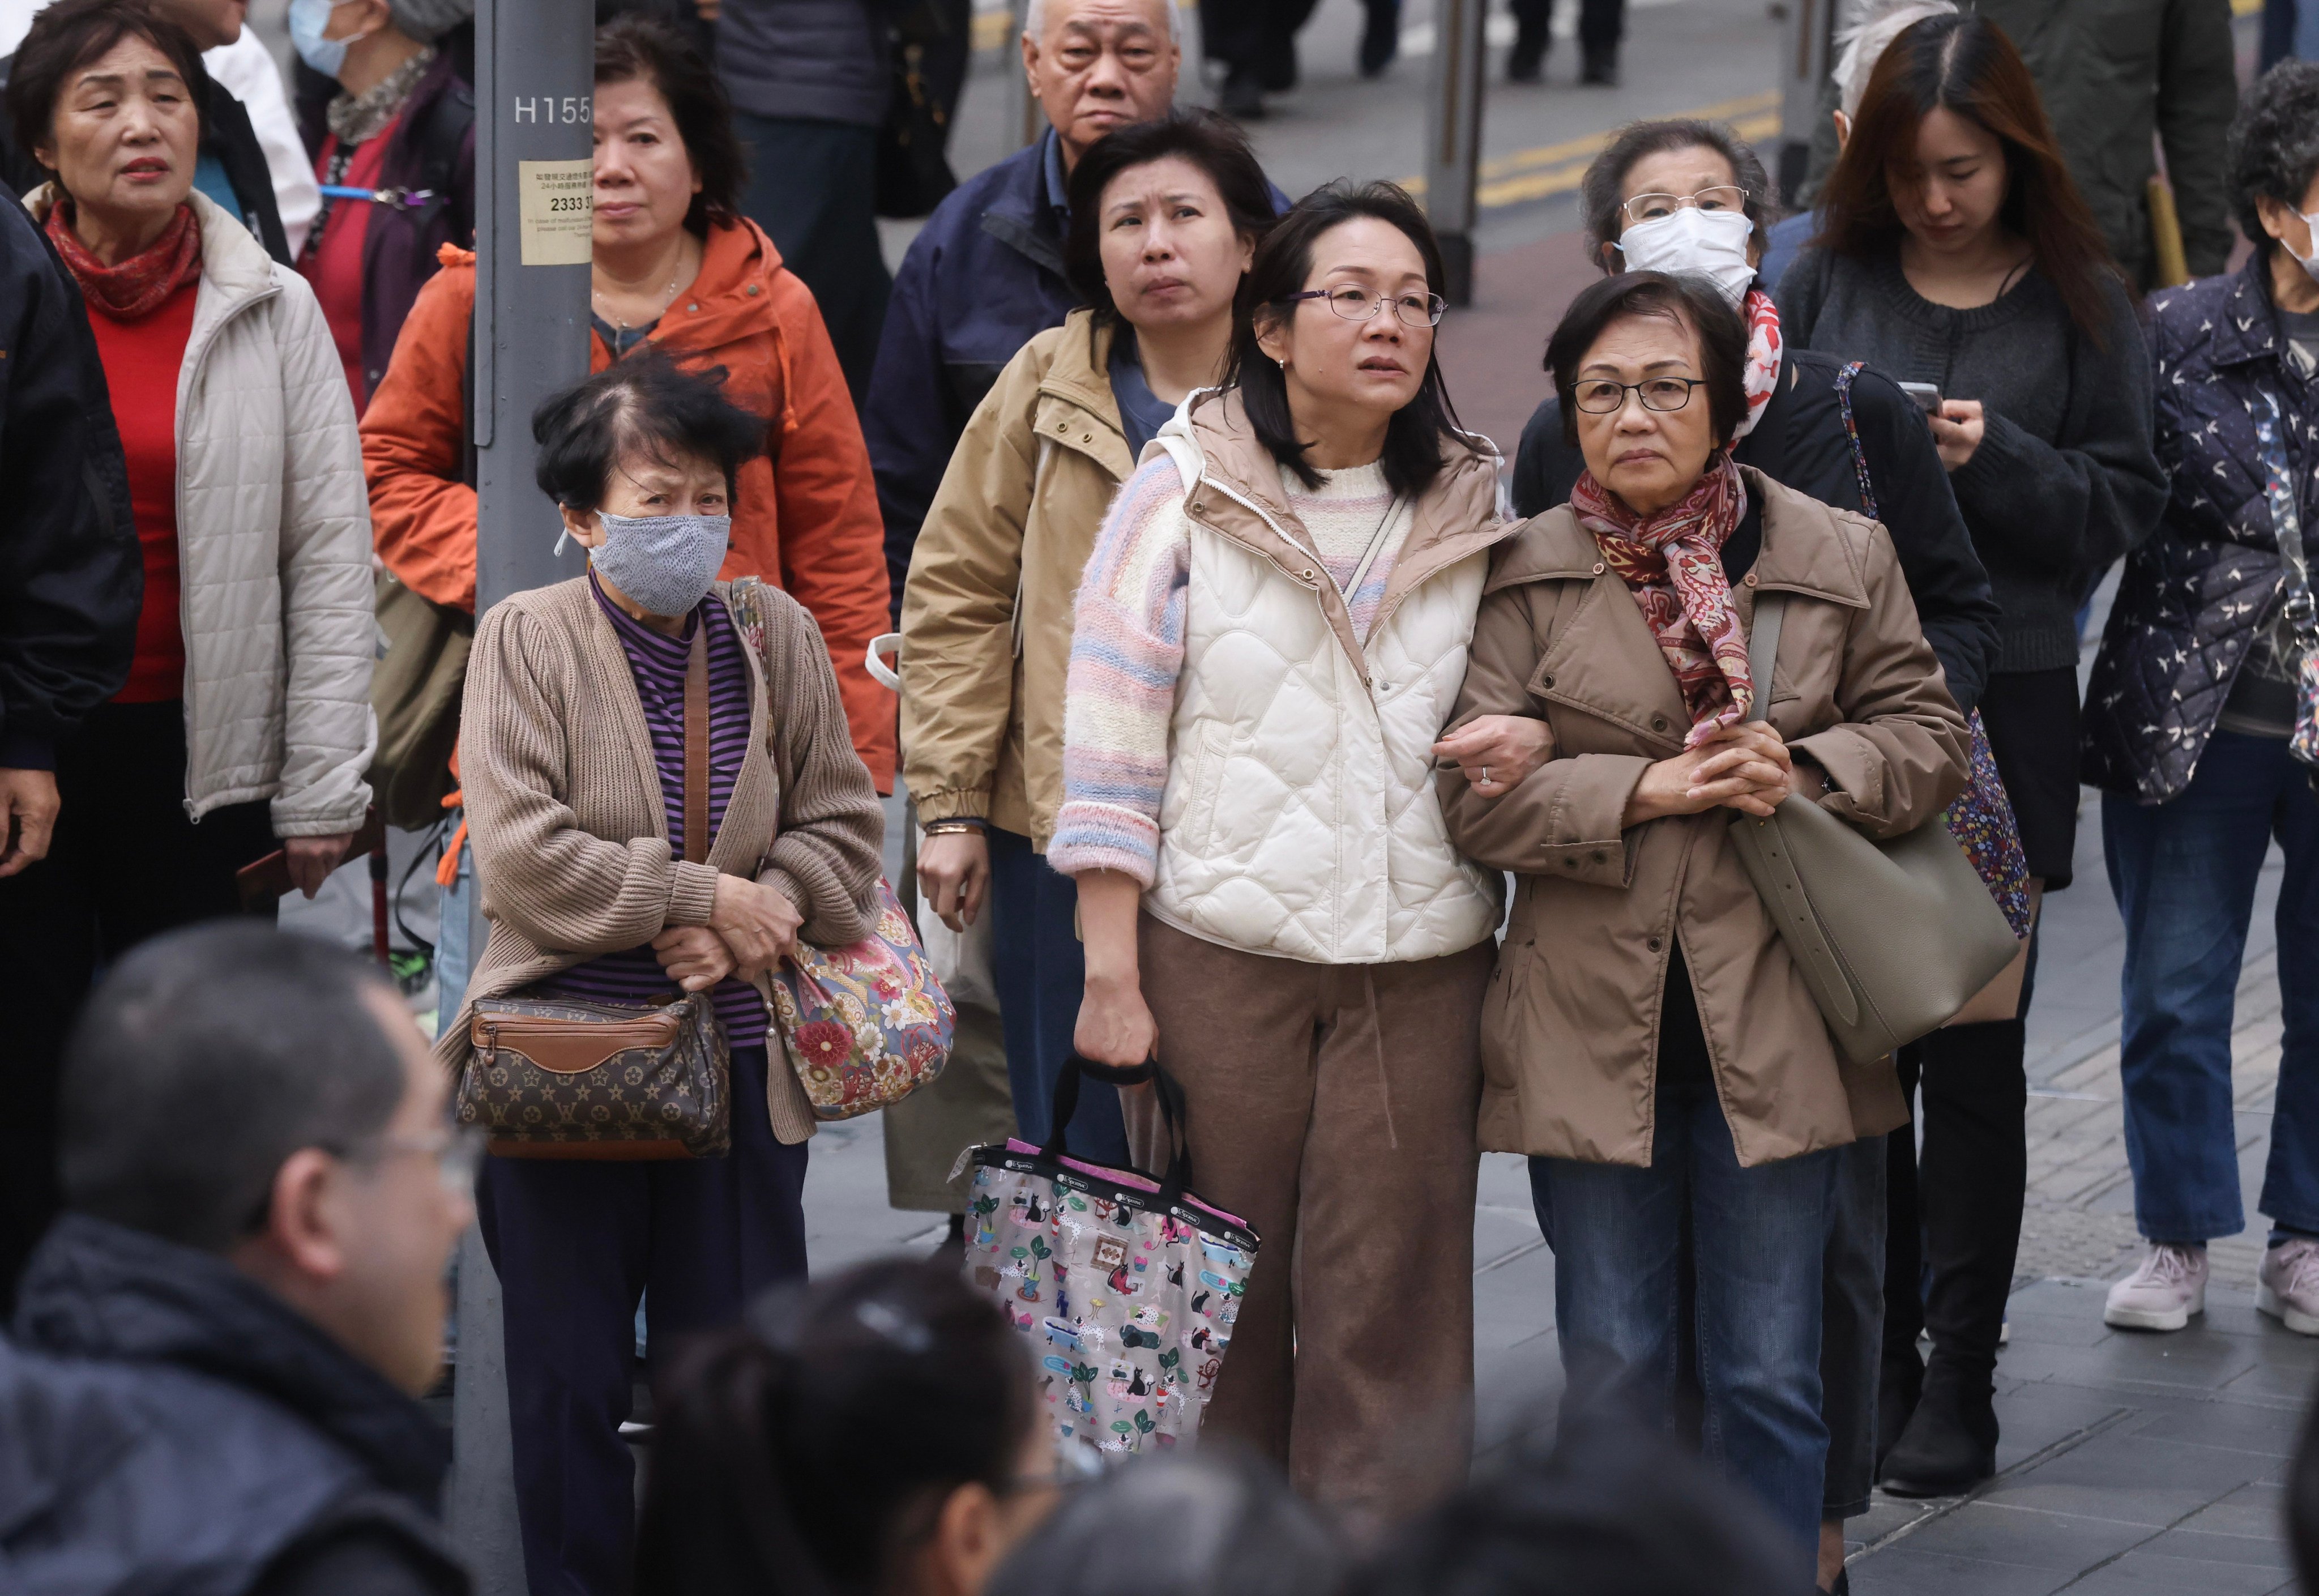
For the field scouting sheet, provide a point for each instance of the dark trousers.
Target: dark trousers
(813, 187)
(1601, 23)
(125, 864)
(576, 1244)
(1041, 971)
(1954, 1208)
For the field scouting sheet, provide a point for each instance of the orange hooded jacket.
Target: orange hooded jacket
(810, 524)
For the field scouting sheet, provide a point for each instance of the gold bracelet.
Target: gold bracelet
(951, 825)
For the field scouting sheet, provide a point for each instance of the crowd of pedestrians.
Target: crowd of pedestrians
(1256, 716)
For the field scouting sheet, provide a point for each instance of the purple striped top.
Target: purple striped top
(657, 662)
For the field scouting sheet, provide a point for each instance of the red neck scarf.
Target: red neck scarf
(1673, 563)
(137, 286)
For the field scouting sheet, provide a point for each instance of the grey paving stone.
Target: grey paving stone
(2194, 1545)
(1905, 1572)
(1990, 1530)
(2145, 1573)
(2256, 1510)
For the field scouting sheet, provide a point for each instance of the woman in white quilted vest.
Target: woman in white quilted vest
(1270, 633)
(242, 724)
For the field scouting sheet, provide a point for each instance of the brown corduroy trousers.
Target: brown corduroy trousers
(1333, 1107)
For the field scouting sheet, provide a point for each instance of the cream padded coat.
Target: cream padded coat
(273, 546)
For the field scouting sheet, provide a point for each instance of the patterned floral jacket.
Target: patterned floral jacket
(2197, 591)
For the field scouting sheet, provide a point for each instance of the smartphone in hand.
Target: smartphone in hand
(1927, 396)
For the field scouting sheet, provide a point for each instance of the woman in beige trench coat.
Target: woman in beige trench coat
(1645, 1035)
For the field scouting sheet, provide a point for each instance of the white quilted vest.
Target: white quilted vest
(1299, 816)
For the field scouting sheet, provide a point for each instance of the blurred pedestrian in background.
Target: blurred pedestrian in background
(575, 691)
(232, 169)
(2188, 715)
(1602, 24)
(402, 125)
(779, 1458)
(1265, 648)
(1955, 251)
(71, 579)
(987, 270)
(1206, 1523)
(217, 1346)
(676, 267)
(1688, 196)
(1165, 217)
(245, 723)
(1655, 1047)
(246, 69)
(809, 82)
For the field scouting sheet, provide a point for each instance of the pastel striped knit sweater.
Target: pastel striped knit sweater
(1127, 648)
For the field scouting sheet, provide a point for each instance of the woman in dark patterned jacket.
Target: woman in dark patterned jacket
(2188, 719)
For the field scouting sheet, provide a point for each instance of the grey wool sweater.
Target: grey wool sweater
(2064, 481)
(570, 830)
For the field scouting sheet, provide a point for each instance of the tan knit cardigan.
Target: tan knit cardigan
(570, 829)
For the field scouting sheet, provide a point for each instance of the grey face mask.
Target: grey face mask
(665, 563)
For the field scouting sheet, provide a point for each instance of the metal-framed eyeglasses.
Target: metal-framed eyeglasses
(1359, 304)
(1715, 196)
(457, 1151)
(1599, 396)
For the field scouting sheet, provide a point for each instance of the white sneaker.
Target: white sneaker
(2287, 1287)
(2168, 1287)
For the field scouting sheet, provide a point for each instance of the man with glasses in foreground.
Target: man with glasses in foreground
(218, 1347)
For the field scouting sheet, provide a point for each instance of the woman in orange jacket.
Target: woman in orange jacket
(677, 265)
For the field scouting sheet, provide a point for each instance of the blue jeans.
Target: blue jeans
(1041, 971)
(453, 924)
(2184, 875)
(1759, 1237)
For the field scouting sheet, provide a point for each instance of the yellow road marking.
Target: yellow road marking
(1552, 169)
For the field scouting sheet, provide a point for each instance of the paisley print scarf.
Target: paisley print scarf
(137, 287)
(1673, 563)
(1762, 373)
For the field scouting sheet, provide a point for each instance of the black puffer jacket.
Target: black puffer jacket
(169, 1425)
(2195, 593)
(819, 59)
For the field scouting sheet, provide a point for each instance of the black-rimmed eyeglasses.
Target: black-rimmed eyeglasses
(1599, 396)
(1358, 304)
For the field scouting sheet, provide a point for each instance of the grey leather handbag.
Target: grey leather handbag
(1892, 937)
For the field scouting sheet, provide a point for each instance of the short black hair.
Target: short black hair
(1607, 174)
(2274, 145)
(645, 404)
(1212, 143)
(1693, 301)
(1422, 431)
(206, 1058)
(637, 47)
(68, 36)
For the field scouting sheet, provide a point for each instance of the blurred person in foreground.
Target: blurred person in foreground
(1614, 1509)
(245, 723)
(572, 734)
(1211, 1522)
(1650, 1044)
(873, 1434)
(234, 169)
(2189, 718)
(1168, 216)
(1956, 251)
(216, 1353)
(403, 125)
(987, 271)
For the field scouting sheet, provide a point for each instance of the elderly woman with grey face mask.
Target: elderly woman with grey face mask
(573, 745)
(1688, 196)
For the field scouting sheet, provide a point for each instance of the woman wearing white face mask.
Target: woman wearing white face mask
(575, 692)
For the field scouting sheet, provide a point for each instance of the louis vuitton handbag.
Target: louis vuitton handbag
(559, 1077)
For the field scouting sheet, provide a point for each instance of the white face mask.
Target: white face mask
(1710, 244)
(2309, 263)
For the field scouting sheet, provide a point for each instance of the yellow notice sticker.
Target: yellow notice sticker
(558, 211)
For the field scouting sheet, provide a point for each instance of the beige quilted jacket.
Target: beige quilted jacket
(273, 546)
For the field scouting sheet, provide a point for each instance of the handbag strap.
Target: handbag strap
(2286, 525)
(1851, 432)
(696, 744)
(1170, 1092)
(1764, 647)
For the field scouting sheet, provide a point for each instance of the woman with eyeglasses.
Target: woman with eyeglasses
(1269, 636)
(1955, 251)
(1649, 1040)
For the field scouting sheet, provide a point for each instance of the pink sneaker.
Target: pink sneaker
(2162, 1295)
(2287, 1286)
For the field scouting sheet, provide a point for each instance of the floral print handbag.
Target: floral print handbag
(1127, 1287)
(865, 1025)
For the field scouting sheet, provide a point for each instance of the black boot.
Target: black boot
(1601, 68)
(1242, 99)
(1381, 38)
(1526, 61)
(1899, 1386)
(1950, 1445)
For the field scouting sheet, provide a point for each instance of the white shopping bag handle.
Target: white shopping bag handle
(882, 674)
